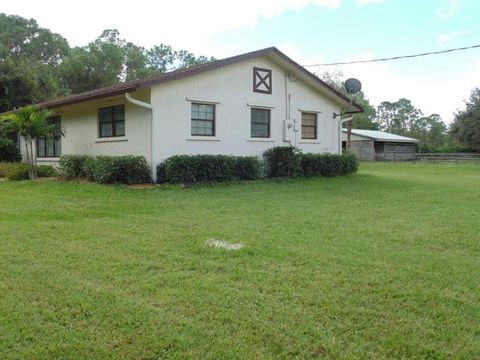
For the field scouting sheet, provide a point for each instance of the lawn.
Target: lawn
(383, 264)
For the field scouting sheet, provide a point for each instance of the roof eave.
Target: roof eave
(59, 102)
(344, 97)
(174, 75)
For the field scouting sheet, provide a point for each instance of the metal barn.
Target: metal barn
(373, 145)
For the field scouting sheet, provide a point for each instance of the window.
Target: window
(309, 125)
(260, 123)
(203, 119)
(51, 145)
(112, 121)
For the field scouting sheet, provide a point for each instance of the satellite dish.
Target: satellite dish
(353, 86)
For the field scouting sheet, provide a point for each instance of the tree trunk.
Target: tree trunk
(349, 134)
(33, 161)
(30, 175)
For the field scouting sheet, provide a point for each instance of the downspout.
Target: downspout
(340, 135)
(131, 100)
(288, 115)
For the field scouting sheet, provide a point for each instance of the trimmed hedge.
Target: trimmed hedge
(9, 151)
(279, 162)
(73, 166)
(328, 164)
(283, 161)
(190, 169)
(127, 169)
(350, 163)
(248, 168)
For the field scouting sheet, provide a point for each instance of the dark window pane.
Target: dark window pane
(50, 146)
(58, 147)
(309, 125)
(106, 114)
(106, 129)
(112, 121)
(203, 119)
(202, 127)
(195, 111)
(260, 123)
(120, 128)
(259, 130)
(119, 113)
(41, 147)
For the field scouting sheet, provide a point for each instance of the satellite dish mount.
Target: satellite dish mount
(352, 86)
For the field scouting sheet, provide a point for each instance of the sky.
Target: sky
(309, 31)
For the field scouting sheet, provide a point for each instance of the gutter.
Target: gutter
(131, 100)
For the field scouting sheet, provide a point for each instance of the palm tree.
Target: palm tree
(30, 123)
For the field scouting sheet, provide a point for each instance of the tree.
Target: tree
(367, 119)
(397, 117)
(30, 123)
(22, 38)
(431, 131)
(24, 82)
(110, 59)
(465, 128)
(100, 63)
(29, 57)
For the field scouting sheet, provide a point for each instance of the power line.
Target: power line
(397, 57)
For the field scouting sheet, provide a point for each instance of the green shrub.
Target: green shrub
(7, 167)
(88, 170)
(127, 169)
(162, 173)
(190, 169)
(283, 161)
(9, 151)
(73, 166)
(18, 172)
(46, 171)
(280, 162)
(248, 168)
(350, 163)
(328, 165)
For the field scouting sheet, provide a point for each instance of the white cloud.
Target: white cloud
(446, 37)
(182, 23)
(448, 8)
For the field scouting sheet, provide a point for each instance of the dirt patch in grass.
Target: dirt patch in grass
(220, 244)
(50, 178)
(142, 186)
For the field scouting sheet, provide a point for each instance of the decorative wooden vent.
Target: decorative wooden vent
(262, 80)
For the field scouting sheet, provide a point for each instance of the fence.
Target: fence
(448, 157)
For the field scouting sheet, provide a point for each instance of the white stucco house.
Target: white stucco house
(241, 105)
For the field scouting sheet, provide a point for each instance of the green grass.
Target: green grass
(384, 264)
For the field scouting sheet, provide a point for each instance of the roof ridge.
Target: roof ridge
(119, 88)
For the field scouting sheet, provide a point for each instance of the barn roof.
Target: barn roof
(381, 136)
